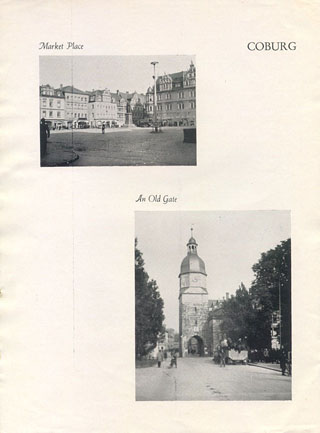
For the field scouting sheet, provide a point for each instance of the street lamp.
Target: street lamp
(280, 318)
(154, 97)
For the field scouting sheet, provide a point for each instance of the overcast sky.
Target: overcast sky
(228, 242)
(124, 73)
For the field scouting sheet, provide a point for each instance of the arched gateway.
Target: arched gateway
(193, 303)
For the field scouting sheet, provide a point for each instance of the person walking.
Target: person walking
(173, 360)
(283, 360)
(160, 358)
(103, 128)
(223, 352)
(44, 135)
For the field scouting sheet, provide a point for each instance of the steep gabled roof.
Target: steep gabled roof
(176, 76)
(72, 89)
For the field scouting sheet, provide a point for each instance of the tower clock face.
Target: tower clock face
(195, 279)
(184, 281)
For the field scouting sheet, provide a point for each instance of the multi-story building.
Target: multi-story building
(135, 106)
(121, 107)
(76, 106)
(52, 106)
(175, 98)
(102, 109)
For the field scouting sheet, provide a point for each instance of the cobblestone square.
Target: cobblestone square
(120, 147)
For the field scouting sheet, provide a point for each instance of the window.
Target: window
(50, 103)
(192, 104)
(58, 104)
(180, 106)
(44, 102)
(50, 113)
(181, 95)
(192, 93)
(44, 113)
(58, 114)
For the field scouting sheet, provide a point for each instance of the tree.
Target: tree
(237, 315)
(271, 290)
(249, 313)
(148, 308)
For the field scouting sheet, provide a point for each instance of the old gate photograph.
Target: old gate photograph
(213, 305)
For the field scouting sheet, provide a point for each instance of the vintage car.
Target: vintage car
(236, 356)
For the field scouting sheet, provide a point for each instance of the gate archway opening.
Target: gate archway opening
(195, 346)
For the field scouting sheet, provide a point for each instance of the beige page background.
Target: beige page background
(67, 306)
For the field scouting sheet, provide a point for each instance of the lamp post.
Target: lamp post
(154, 97)
(280, 318)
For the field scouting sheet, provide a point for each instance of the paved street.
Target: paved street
(138, 146)
(201, 379)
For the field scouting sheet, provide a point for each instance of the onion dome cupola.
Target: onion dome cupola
(192, 262)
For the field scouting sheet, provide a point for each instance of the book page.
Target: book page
(191, 126)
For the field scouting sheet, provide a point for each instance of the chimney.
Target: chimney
(227, 295)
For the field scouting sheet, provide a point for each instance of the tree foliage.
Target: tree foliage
(148, 308)
(249, 312)
(271, 289)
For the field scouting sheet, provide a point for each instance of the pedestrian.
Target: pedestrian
(103, 128)
(160, 358)
(223, 352)
(44, 135)
(173, 360)
(283, 360)
(266, 355)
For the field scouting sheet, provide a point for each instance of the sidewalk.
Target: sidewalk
(269, 365)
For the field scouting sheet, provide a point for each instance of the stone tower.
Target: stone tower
(193, 303)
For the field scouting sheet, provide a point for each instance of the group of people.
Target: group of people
(279, 356)
(221, 353)
(274, 356)
(163, 355)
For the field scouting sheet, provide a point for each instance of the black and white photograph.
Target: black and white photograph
(117, 110)
(213, 305)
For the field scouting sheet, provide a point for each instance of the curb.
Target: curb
(264, 366)
(61, 163)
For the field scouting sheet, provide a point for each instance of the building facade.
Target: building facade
(175, 98)
(121, 107)
(52, 106)
(76, 106)
(102, 109)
